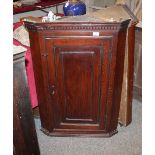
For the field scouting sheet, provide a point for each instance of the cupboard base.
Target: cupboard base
(69, 133)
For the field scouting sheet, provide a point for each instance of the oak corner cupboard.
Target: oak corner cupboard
(78, 68)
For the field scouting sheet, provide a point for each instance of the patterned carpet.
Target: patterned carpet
(128, 141)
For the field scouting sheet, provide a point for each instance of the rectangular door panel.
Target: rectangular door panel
(77, 73)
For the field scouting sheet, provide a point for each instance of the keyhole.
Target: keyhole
(53, 92)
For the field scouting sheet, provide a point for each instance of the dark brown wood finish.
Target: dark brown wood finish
(24, 134)
(78, 76)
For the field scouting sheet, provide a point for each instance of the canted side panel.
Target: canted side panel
(78, 71)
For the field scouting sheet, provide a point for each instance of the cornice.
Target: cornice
(74, 26)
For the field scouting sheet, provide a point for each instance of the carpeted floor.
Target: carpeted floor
(128, 141)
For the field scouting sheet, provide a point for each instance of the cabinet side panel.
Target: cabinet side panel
(39, 65)
(118, 79)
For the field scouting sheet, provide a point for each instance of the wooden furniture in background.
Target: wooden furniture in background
(138, 64)
(24, 135)
(78, 67)
(38, 6)
(125, 114)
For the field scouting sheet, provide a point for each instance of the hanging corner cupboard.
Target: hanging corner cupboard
(78, 69)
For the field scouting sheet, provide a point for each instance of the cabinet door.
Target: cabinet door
(75, 68)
